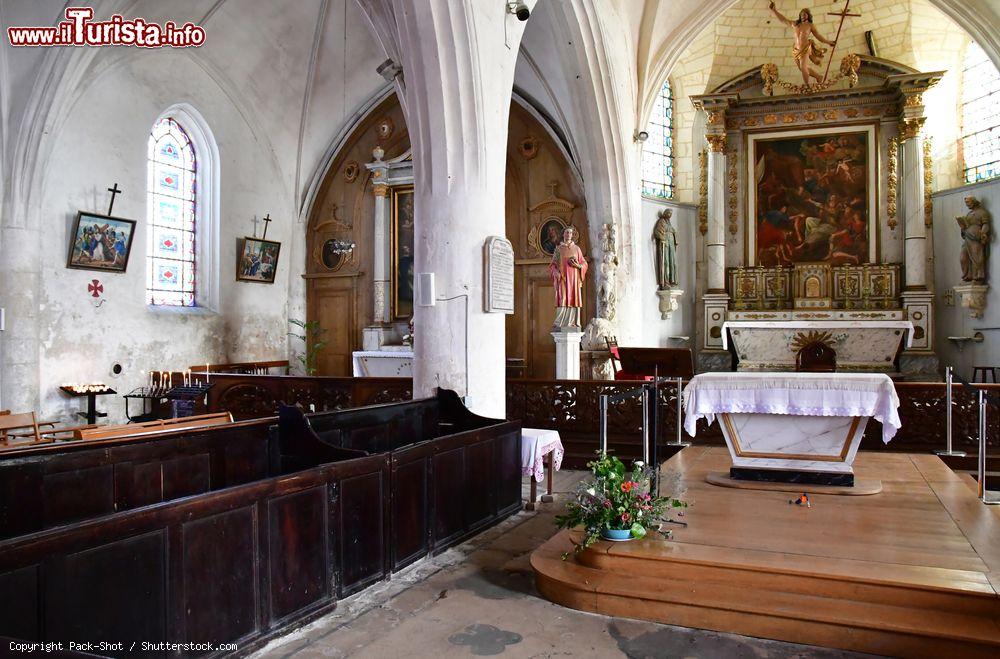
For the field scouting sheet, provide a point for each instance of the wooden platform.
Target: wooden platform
(913, 571)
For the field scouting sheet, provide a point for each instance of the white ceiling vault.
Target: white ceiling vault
(299, 72)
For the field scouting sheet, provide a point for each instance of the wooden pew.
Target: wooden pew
(150, 427)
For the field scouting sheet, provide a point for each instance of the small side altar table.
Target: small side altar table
(536, 444)
(801, 428)
(91, 415)
(389, 361)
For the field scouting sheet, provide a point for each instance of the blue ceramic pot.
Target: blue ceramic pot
(617, 534)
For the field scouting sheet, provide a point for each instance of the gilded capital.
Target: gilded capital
(380, 190)
(716, 143)
(909, 127)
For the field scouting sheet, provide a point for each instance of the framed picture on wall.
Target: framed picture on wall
(100, 242)
(401, 274)
(258, 260)
(813, 196)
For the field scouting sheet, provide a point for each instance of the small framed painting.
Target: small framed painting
(258, 260)
(100, 242)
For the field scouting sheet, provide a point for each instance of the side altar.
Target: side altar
(814, 222)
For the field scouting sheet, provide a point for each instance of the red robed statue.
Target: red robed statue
(568, 270)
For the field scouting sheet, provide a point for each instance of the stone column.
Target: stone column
(915, 231)
(715, 238)
(918, 299)
(457, 61)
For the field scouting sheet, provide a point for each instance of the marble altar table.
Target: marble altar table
(861, 345)
(390, 361)
(793, 427)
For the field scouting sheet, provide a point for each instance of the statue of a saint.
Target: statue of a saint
(805, 49)
(665, 237)
(568, 270)
(975, 241)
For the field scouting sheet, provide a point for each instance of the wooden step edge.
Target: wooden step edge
(982, 587)
(883, 617)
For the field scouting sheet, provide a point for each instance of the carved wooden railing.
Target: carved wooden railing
(254, 396)
(571, 407)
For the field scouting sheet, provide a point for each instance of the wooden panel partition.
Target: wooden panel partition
(212, 537)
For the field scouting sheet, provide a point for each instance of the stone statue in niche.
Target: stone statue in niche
(975, 241)
(568, 269)
(665, 237)
(606, 296)
(805, 50)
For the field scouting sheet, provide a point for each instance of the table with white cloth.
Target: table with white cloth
(536, 444)
(390, 361)
(793, 427)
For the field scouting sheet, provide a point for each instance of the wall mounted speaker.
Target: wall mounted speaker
(425, 289)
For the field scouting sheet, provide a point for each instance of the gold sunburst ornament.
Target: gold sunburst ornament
(803, 339)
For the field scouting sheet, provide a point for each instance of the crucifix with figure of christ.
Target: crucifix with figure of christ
(804, 50)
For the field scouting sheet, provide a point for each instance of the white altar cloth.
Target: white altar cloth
(535, 445)
(800, 394)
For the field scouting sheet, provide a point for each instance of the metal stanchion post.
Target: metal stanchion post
(645, 424)
(948, 445)
(680, 408)
(602, 404)
(982, 451)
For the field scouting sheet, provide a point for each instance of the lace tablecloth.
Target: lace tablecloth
(535, 445)
(801, 394)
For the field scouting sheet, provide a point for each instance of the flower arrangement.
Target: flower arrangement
(615, 499)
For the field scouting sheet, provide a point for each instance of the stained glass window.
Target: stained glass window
(658, 149)
(171, 211)
(980, 116)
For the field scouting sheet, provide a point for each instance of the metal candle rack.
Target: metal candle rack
(982, 399)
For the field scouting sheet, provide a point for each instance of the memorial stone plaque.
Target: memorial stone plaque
(498, 294)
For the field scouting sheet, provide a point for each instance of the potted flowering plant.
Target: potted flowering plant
(616, 504)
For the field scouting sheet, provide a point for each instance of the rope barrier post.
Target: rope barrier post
(602, 404)
(948, 410)
(982, 451)
(680, 410)
(645, 424)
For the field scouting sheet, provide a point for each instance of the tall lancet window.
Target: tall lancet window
(658, 149)
(980, 116)
(172, 215)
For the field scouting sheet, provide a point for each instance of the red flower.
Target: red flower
(628, 486)
(626, 517)
(607, 503)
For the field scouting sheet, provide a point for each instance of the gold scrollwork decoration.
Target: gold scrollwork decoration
(849, 67)
(909, 127)
(703, 192)
(928, 184)
(734, 188)
(892, 183)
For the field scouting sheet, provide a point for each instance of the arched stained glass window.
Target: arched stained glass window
(980, 116)
(172, 213)
(658, 149)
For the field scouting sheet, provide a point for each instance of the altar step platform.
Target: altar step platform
(912, 571)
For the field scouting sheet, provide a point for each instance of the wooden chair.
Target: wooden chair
(10, 422)
(984, 373)
(816, 357)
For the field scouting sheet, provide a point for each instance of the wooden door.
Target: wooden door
(542, 313)
(334, 308)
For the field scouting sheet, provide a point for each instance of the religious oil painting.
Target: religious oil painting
(402, 253)
(550, 235)
(100, 242)
(813, 197)
(258, 260)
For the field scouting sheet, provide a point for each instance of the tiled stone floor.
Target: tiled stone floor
(479, 600)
